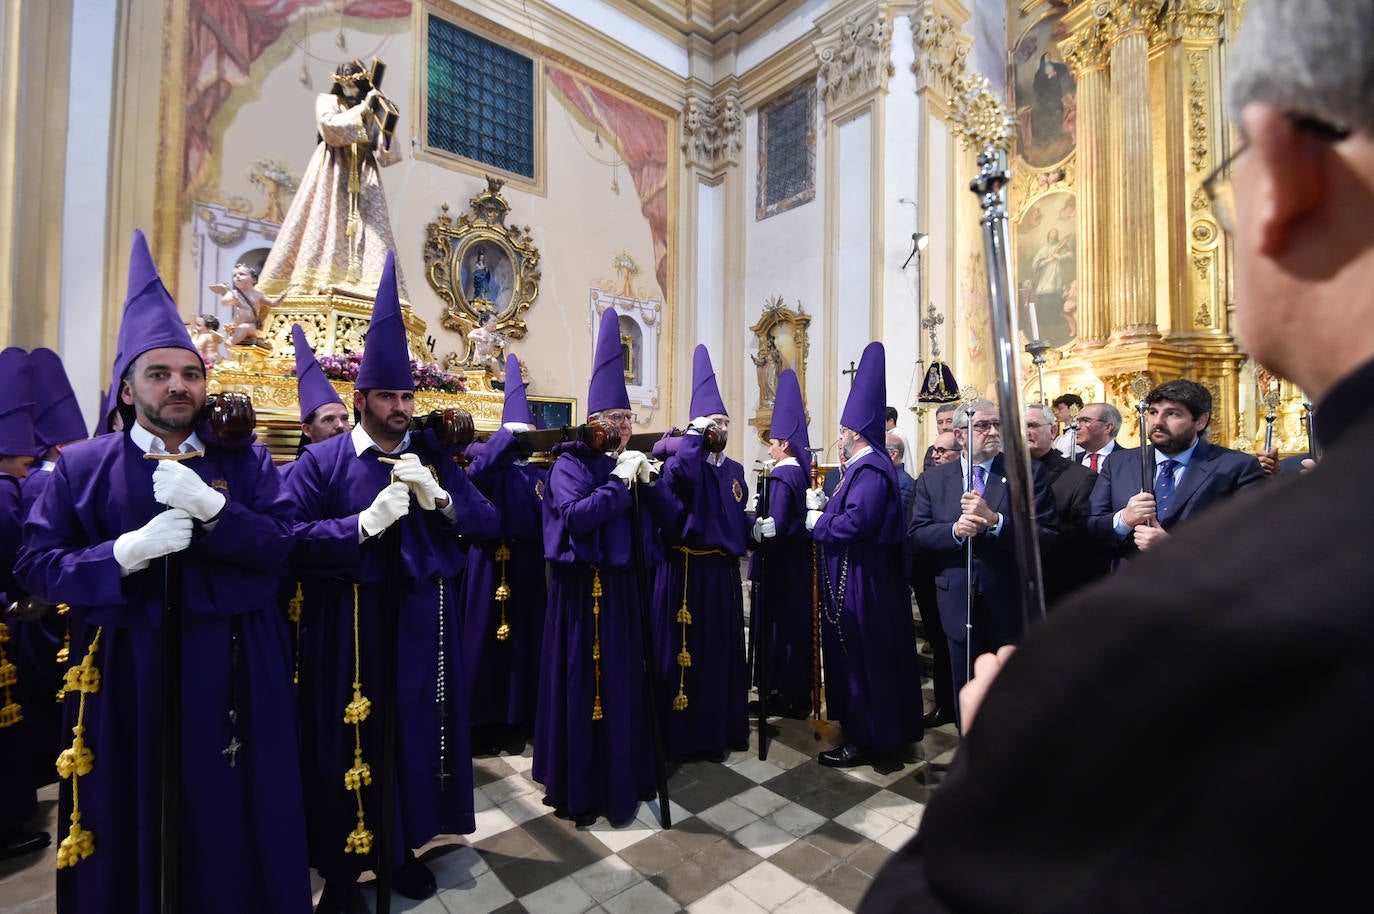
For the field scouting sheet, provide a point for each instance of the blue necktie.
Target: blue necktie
(980, 480)
(1164, 488)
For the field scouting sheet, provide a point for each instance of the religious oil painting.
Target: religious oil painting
(488, 276)
(1044, 94)
(1046, 268)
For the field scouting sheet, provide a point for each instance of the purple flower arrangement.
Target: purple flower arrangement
(428, 375)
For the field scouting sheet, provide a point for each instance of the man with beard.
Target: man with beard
(1190, 474)
(868, 634)
(1245, 640)
(116, 505)
(348, 491)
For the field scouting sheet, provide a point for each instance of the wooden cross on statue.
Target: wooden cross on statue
(850, 371)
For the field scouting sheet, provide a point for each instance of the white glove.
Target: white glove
(811, 517)
(765, 528)
(752, 505)
(816, 500)
(421, 481)
(390, 505)
(648, 471)
(169, 532)
(177, 486)
(625, 471)
(699, 424)
(627, 456)
(514, 427)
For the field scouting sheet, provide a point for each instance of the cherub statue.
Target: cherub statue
(250, 306)
(205, 334)
(488, 345)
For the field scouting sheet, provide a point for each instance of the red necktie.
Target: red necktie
(1092, 462)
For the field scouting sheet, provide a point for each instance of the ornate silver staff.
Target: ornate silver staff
(984, 124)
(1271, 401)
(967, 395)
(1140, 386)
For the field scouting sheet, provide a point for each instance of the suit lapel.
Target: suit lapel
(1194, 475)
(996, 492)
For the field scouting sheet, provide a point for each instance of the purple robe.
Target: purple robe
(593, 766)
(242, 830)
(17, 799)
(33, 648)
(872, 682)
(782, 567)
(503, 675)
(330, 486)
(701, 566)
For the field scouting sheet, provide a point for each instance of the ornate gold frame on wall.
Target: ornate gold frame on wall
(787, 329)
(452, 246)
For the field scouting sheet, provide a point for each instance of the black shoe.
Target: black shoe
(18, 843)
(846, 756)
(937, 717)
(340, 897)
(414, 880)
(586, 820)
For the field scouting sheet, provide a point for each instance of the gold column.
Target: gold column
(1133, 306)
(1087, 55)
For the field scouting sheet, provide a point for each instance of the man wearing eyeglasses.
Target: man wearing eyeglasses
(1246, 639)
(968, 501)
(1077, 560)
(945, 449)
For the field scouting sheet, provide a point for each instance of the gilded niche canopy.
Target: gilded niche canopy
(484, 271)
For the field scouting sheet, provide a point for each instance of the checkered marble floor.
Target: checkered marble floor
(784, 834)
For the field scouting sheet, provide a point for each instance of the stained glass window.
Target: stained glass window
(787, 151)
(480, 98)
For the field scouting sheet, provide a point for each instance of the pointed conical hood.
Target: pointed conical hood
(866, 409)
(57, 416)
(386, 357)
(706, 399)
(16, 409)
(150, 316)
(607, 390)
(789, 418)
(312, 387)
(517, 407)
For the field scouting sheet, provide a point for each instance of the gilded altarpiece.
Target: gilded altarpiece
(1146, 272)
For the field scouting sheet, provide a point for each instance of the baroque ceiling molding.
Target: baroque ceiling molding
(1193, 19)
(713, 130)
(942, 50)
(855, 58)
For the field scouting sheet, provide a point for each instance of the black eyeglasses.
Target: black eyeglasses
(1088, 419)
(1217, 185)
(946, 450)
(986, 425)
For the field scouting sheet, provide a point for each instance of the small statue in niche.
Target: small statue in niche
(488, 345)
(481, 277)
(769, 365)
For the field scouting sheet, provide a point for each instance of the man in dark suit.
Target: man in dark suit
(944, 422)
(1189, 473)
(897, 451)
(1098, 425)
(1248, 638)
(1077, 559)
(946, 518)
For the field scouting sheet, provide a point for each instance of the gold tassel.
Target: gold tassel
(684, 658)
(293, 614)
(78, 761)
(359, 840)
(597, 713)
(11, 712)
(503, 592)
(64, 652)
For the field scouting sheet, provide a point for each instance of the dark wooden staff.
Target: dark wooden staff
(759, 619)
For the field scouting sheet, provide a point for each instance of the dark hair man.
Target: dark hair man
(1218, 638)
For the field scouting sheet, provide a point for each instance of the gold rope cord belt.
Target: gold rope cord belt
(353, 226)
(355, 712)
(78, 761)
(597, 713)
(684, 616)
(503, 591)
(293, 615)
(11, 712)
